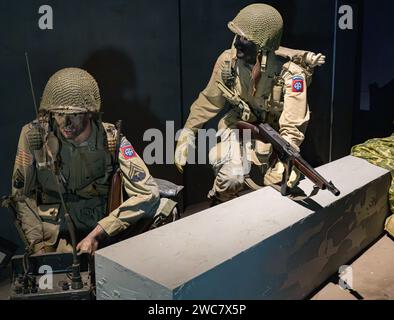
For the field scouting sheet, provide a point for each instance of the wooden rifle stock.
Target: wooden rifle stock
(115, 192)
(115, 197)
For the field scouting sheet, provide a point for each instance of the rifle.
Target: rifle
(288, 155)
(115, 198)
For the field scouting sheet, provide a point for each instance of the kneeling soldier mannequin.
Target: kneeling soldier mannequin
(70, 133)
(261, 82)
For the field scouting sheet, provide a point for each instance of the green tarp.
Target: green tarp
(380, 152)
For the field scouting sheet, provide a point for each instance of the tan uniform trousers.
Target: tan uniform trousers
(233, 157)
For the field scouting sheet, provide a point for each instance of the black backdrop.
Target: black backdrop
(152, 58)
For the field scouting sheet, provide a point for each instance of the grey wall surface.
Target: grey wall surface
(374, 110)
(346, 71)
(151, 59)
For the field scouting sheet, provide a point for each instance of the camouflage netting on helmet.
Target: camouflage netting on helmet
(71, 90)
(259, 23)
(380, 152)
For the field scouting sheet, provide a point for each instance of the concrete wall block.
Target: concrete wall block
(258, 246)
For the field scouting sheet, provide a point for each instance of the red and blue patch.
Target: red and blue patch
(298, 84)
(128, 152)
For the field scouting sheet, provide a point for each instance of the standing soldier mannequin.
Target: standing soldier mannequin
(262, 82)
(70, 134)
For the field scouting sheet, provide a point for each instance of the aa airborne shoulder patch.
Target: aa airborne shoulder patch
(297, 84)
(128, 152)
(127, 149)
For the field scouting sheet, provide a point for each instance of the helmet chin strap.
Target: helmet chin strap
(259, 68)
(263, 61)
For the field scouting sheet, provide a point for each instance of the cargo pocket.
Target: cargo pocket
(261, 153)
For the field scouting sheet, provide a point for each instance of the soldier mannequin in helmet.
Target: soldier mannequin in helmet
(271, 83)
(70, 131)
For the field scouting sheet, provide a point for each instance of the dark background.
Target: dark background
(152, 58)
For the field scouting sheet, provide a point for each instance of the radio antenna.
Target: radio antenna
(31, 83)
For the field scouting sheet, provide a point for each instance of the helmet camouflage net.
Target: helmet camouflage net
(71, 90)
(259, 23)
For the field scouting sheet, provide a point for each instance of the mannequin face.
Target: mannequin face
(246, 50)
(72, 125)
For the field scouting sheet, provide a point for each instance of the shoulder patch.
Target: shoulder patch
(136, 173)
(128, 152)
(127, 149)
(297, 84)
(23, 158)
(124, 142)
